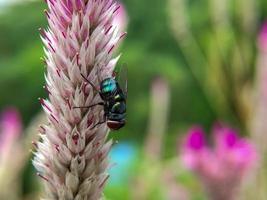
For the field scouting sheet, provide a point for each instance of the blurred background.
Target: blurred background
(189, 62)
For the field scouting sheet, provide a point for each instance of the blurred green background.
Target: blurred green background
(150, 49)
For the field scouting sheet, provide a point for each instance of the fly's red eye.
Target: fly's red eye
(114, 125)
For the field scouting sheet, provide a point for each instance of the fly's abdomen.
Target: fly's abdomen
(119, 108)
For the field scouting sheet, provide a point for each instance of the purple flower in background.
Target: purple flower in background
(222, 167)
(10, 130)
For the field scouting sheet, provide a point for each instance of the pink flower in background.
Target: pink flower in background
(10, 130)
(262, 40)
(222, 167)
(12, 154)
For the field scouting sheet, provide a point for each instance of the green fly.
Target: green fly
(113, 101)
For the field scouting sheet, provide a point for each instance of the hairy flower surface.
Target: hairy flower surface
(222, 167)
(71, 157)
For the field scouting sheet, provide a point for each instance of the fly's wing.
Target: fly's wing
(121, 74)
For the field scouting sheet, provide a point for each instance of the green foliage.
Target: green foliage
(21, 71)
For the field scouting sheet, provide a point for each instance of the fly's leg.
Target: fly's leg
(99, 123)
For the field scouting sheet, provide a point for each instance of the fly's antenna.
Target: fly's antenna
(95, 88)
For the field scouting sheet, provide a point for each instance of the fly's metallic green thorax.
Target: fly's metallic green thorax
(108, 86)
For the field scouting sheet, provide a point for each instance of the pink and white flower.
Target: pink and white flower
(71, 157)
